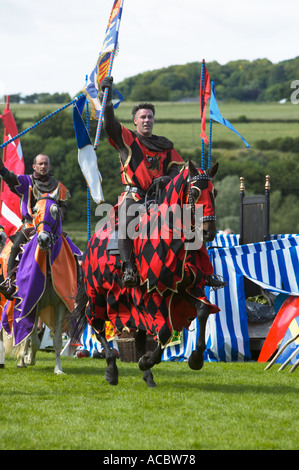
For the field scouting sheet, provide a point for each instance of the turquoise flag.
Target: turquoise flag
(216, 116)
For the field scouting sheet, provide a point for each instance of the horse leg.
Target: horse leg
(22, 351)
(111, 373)
(2, 350)
(147, 361)
(196, 359)
(57, 339)
(31, 347)
(140, 343)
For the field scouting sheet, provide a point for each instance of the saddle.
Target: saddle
(152, 196)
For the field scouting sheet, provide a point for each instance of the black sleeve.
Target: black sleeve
(173, 170)
(10, 179)
(112, 126)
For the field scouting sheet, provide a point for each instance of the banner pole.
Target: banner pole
(88, 190)
(40, 122)
(210, 135)
(202, 108)
(101, 116)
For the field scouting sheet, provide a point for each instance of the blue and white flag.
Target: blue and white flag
(101, 69)
(87, 157)
(216, 116)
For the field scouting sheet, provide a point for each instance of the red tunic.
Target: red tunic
(142, 165)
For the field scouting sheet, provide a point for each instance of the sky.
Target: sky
(51, 46)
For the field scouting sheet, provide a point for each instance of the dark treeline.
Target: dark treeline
(40, 98)
(242, 80)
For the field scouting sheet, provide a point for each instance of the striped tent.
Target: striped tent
(273, 265)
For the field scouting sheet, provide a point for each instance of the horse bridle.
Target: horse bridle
(199, 177)
(52, 226)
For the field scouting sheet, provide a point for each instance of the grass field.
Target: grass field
(181, 110)
(186, 135)
(224, 406)
(229, 110)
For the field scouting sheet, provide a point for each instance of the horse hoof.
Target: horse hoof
(111, 376)
(111, 381)
(30, 362)
(1, 366)
(149, 379)
(59, 372)
(196, 360)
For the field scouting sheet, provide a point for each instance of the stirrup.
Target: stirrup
(130, 278)
(215, 281)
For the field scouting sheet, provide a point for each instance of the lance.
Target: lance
(87, 189)
(202, 108)
(101, 116)
(41, 121)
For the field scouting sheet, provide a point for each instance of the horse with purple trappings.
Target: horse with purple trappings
(46, 284)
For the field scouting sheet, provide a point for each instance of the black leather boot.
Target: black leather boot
(7, 288)
(215, 281)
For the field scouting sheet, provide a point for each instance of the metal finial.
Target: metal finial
(242, 185)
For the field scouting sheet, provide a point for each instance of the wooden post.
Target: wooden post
(242, 194)
(267, 208)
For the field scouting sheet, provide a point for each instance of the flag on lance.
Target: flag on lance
(10, 214)
(205, 94)
(101, 70)
(216, 115)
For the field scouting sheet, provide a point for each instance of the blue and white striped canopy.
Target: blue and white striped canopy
(274, 265)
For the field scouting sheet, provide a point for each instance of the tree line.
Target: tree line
(242, 80)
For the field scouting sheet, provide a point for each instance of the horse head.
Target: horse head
(47, 220)
(201, 192)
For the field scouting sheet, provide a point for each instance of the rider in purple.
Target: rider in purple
(27, 188)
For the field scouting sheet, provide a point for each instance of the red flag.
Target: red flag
(205, 94)
(10, 215)
(287, 312)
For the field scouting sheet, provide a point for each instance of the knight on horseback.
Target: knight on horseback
(144, 157)
(27, 187)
